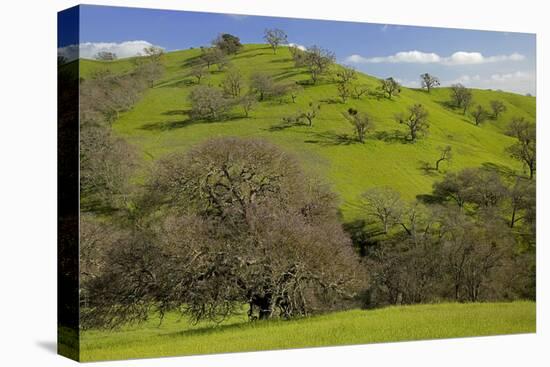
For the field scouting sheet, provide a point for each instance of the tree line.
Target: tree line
(472, 239)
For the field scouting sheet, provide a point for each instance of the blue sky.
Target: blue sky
(483, 59)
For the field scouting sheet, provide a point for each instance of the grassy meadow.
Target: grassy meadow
(175, 336)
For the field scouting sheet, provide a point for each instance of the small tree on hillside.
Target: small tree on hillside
(154, 53)
(344, 80)
(208, 103)
(198, 72)
(261, 84)
(359, 91)
(310, 114)
(479, 114)
(497, 107)
(445, 155)
(362, 123)
(461, 97)
(232, 83)
(247, 102)
(298, 56)
(390, 87)
(211, 56)
(429, 81)
(318, 61)
(416, 121)
(275, 37)
(227, 43)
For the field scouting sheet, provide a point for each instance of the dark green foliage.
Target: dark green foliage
(228, 43)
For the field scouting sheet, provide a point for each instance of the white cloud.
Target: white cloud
(408, 83)
(469, 58)
(298, 46)
(88, 50)
(518, 82)
(419, 57)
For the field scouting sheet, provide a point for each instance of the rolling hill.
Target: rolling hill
(160, 124)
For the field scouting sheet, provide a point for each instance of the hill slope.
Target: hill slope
(159, 124)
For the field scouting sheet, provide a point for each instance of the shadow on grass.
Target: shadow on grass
(206, 330)
(331, 101)
(285, 125)
(180, 83)
(287, 74)
(191, 61)
(176, 112)
(430, 199)
(171, 125)
(330, 138)
(427, 169)
(395, 136)
(281, 60)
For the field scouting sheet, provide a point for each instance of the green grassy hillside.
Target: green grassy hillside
(159, 124)
(175, 336)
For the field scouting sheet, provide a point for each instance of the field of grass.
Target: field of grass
(175, 336)
(160, 124)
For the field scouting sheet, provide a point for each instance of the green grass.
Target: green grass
(159, 124)
(176, 336)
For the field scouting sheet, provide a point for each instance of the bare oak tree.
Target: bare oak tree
(429, 81)
(390, 87)
(416, 121)
(275, 37)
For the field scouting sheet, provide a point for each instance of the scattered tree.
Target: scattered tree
(275, 37)
(416, 121)
(390, 87)
(310, 114)
(212, 56)
(344, 80)
(198, 72)
(461, 97)
(479, 114)
(208, 103)
(497, 107)
(232, 83)
(429, 81)
(318, 61)
(445, 155)
(154, 53)
(261, 84)
(247, 102)
(361, 122)
(227, 43)
(359, 91)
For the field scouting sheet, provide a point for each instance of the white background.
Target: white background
(28, 182)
